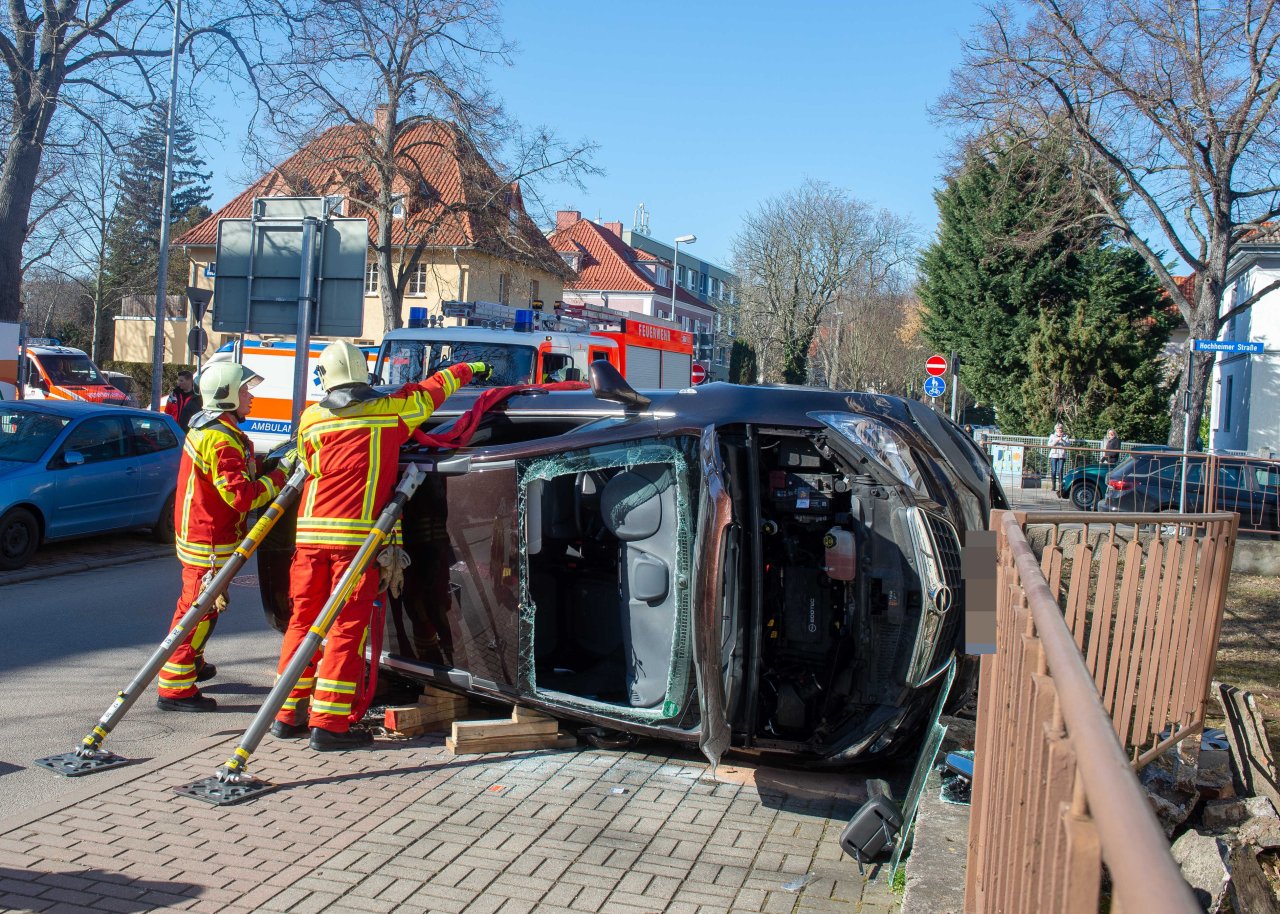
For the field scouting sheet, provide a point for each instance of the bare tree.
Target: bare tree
(69, 62)
(1177, 97)
(872, 342)
(796, 257)
(388, 88)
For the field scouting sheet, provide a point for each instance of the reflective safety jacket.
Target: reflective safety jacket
(352, 453)
(218, 484)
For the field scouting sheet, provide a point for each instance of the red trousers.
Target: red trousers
(178, 676)
(332, 686)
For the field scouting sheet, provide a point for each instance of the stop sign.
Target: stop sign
(697, 374)
(936, 365)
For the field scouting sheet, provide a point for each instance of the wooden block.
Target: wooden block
(559, 740)
(528, 715)
(485, 729)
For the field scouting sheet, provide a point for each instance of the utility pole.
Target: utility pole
(157, 344)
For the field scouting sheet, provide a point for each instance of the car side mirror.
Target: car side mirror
(72, 459)
(607, 383)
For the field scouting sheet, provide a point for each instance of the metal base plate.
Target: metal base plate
(225, 793)
(73, 766)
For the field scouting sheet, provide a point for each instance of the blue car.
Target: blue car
(72, 469)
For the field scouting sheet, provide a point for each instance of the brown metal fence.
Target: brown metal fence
(1126, 648)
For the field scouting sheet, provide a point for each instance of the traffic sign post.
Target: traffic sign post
(935, 386)
(697, 374)
(935, 366)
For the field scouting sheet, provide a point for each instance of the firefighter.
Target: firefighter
(218, 484)
(350, 444)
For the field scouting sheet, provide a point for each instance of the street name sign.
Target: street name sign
(935, 387)
(1226, 346)
(935, 366)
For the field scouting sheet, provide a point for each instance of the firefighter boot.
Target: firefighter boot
(196, 702)
(281, 730)
(333, 741)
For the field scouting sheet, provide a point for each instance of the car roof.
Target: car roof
(75, 409)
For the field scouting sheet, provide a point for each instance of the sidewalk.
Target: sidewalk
(85, 554)
(408, 827)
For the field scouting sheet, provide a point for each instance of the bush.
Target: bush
(141, 374)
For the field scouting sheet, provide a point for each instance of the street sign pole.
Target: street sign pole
(955, 382)
(306, 295)
(1186, 425)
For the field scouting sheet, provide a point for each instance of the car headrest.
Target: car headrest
(630, 503)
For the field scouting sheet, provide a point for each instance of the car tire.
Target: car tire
(19, 537)
(1084, 497)
(162, 531)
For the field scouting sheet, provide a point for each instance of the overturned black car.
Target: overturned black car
(769, 569)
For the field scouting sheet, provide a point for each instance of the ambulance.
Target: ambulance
(269, 420)
(529, 346)
(50, 371)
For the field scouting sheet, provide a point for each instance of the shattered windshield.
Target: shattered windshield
(404, 361)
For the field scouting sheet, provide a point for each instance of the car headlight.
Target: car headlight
(877, 440)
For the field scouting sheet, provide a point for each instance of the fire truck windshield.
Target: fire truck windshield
(403, 361)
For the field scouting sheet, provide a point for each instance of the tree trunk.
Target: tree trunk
(1203, 325)
(17, 184)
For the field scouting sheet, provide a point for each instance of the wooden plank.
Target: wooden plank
(557, 740)
(1250, 889)
(407, 717)
(485, 729)
(528, 715)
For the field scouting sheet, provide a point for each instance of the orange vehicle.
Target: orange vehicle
(526, 346)
(51, 371)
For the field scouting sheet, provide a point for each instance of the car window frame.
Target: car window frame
(57, 462)
(134, 437)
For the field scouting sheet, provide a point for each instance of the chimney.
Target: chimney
(615, 227)
(381, 118)
(566, 218)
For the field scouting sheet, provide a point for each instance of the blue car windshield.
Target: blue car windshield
(26, 434)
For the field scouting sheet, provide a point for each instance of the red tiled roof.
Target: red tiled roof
(452, 195)
(609, 265)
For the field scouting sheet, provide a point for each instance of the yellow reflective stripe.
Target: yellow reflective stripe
(354, 523)
(330, 539)
(366, 506)
(330, 707)
(343, 424)
(179, 668)
(335, 685)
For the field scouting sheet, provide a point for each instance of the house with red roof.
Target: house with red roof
(459, 232)
(626, 271)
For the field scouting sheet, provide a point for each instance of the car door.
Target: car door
(1266, 487)
(96, 489)
(154, 447)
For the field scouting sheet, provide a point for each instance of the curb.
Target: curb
(73, 567)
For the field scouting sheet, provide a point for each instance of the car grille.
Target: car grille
(948, 550)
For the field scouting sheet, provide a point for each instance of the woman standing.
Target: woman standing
(1058, 443)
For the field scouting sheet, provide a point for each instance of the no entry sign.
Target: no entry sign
(935, 366)
(697, 374)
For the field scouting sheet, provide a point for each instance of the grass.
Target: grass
(1249, 647)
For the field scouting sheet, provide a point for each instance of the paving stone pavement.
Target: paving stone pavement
(409, 827)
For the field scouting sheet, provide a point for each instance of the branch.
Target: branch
(1249, 302)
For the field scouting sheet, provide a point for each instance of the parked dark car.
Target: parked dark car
(125, 384)
(69, 468)
(1086, 485)
(775, 569)
(1153, 482)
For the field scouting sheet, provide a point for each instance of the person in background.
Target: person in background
(185, 401)
(1058, 444)
(1111, 448)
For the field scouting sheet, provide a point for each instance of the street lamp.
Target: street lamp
(162, 281)
(835, 361)
(675, 257)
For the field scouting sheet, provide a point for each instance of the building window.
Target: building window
(397, 207)
(680, 273)
(1226, 404)
(533, 291)
(418, 281)
(504, 288)
(371, 278)
(573, 259)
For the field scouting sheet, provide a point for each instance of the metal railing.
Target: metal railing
(1130, 642)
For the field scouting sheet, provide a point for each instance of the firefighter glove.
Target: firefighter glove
(480, 371)
(289, 462)
(392, 561)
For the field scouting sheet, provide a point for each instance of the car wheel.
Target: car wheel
(19, 537)
(162, 531)
(1084, 496)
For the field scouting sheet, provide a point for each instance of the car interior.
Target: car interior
(602, 552)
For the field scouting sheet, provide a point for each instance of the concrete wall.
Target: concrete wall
(1244, 396)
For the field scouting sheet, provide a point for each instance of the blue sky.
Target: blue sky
(704, 109)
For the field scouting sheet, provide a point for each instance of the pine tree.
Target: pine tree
(1051, 322)
(133, 241)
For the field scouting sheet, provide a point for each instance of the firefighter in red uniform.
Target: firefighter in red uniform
(350, 444)
(218, 485)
